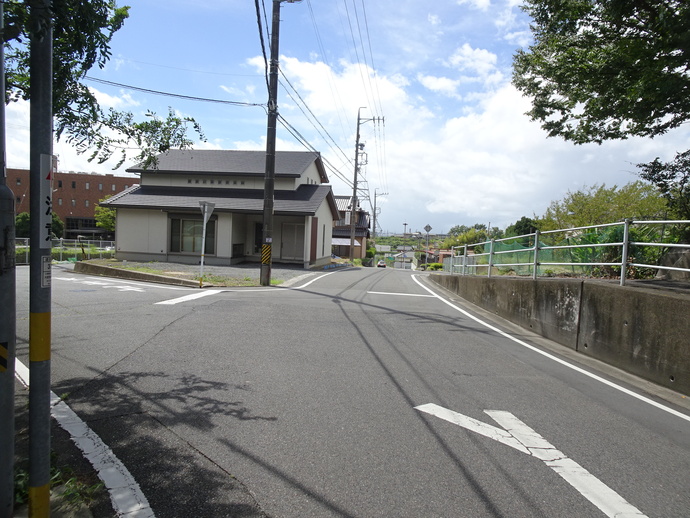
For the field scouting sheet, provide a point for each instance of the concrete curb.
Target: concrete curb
(107, 271)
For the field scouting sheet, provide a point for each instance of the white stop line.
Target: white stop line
(518, 435)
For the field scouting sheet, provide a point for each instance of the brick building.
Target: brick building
(75, 196)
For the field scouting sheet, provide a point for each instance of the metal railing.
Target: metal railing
(544, 258)
(68, 250)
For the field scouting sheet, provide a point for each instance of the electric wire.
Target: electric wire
(303, 102)
(170, 94)
(261, 39)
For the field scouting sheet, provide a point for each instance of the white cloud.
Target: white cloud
(482, 5)
(441, 85)
(468, 59)
(120, 102)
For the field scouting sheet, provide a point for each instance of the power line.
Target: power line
(168, 94)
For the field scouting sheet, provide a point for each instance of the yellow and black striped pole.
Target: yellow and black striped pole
(41, 174)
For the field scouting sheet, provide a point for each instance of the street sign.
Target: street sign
(206, 209)
(427, 228)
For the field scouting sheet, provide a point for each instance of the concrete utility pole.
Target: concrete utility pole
(375, 211)
(41, 172)
(358, 149)
(8, 314)
(269, 183)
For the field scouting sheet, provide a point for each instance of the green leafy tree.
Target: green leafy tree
(610, 69)
(521, 227)
(673, 181)
(22, 225)
(82, 32)
(599, 204)
(606, 69)
(105, 217)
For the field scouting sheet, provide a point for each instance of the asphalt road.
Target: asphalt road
(354, 393)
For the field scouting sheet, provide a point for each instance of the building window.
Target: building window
(60, 183)
(19, 200)
(19, 181)
(186, 235)
(74, 203)
(87, 186)
(59, 201)
(86, 203)
(74, 185)
(100, 186)
(113, 187)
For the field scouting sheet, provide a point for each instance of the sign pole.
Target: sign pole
(41, 171)
(206, 209)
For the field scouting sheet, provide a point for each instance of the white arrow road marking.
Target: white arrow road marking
(523, 438)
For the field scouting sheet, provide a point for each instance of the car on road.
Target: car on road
(381, 264)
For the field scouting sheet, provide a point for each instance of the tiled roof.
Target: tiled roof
(233, 162)
(304, 201)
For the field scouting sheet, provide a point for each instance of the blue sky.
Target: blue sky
(455, 147)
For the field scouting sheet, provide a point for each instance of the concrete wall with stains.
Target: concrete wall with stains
(643, 331)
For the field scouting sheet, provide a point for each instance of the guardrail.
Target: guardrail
(613, 247)
(67, 250)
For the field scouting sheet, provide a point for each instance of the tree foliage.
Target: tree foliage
(607, 69)
(522, 227)
(105, 217)
(598, 204)
(22, 225)
(82, 32)
(673, 181)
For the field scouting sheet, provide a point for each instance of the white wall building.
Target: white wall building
(160, 219)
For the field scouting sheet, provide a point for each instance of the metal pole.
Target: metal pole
(8, 314)
(464, 261)
(269, 184)
(206, 210)
(536, 255)
(41, 165)
(491, 257)
(625, 251)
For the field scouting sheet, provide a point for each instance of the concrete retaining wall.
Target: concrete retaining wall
(643, 331)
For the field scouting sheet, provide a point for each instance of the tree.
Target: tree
(673, 181)
(105, 217)
(522, 227)
(82, 32)
(598, 204)
(607, 69)
(22, 225)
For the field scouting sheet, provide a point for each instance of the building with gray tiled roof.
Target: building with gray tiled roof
(161, 220)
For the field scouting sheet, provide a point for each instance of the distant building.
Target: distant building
(342, 230)
(75, 196)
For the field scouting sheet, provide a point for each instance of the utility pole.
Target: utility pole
(375, 210)
(8, 314)
(269, 183)
(41, 171)
(358, 149)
